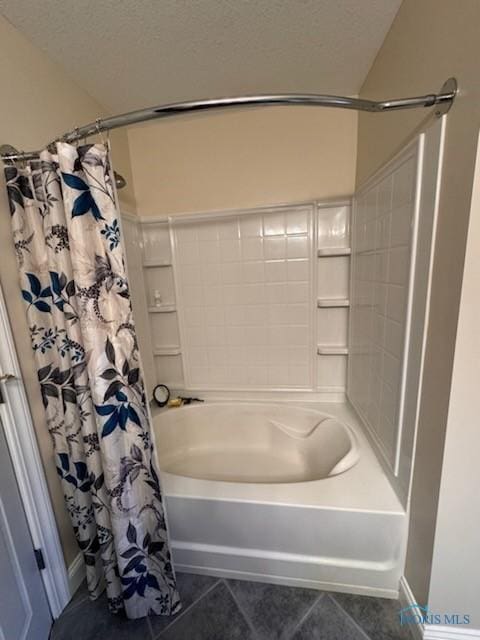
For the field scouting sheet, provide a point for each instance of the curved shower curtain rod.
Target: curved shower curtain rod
(442, 100)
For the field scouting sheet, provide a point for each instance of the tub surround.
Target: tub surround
(244, 288)
(249, 301)
(385, 228)
(392, 256)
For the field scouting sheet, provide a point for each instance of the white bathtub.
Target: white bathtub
(281, 493)
(254, 443)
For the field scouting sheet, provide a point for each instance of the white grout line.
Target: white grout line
(349, 617)
(150, 627)
(240, 608)
(307, 613)
(184, 611)
(71, 607)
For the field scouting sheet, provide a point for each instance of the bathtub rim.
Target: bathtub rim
(349, 491)
(349, 460)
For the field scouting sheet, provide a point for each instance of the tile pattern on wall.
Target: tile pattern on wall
(270, 336)
(333, 225)
(381, 254)
(244, 284)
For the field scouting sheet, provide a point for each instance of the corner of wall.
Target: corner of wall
(412, 60)
(122, 162)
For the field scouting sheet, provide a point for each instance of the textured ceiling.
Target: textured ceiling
(135, 53)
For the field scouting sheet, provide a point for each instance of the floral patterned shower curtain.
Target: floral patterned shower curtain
(73, 280)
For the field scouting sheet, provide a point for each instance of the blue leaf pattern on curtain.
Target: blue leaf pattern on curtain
(74, 284)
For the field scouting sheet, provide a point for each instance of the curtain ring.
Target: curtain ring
(75, 131)
(99, 130)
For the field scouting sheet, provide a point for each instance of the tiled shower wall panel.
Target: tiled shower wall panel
(244, 286)
(382, 239)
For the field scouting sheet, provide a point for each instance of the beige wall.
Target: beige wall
(38, 102)
(455, 584)
(241, 159)
(429, 41)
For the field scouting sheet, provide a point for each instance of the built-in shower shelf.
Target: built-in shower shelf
(162, 308)
(167, 350)
(327, 303)
(331, 350)
(328, 252)
(157, 263)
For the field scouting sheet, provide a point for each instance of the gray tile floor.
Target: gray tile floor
(215, 609)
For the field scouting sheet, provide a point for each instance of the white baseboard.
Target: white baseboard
(441, 632)
(433, 631)
(407, 598)
(76, 573)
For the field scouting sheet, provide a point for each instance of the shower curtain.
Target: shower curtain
(73, 279)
